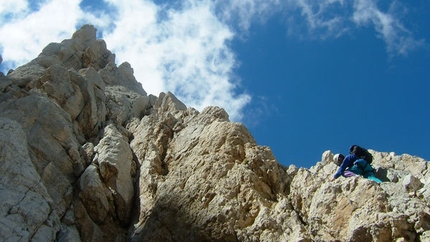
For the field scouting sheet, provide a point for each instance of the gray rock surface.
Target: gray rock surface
(87, 155)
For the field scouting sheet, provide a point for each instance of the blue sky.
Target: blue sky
(304, 76)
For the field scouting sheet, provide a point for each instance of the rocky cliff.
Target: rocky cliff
(87, 155)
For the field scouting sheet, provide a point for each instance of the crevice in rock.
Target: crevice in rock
(135, 206)
(300, 216)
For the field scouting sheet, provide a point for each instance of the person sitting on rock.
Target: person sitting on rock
(352, 165)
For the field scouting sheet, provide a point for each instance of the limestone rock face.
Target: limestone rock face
(87, 155)
(27, 210)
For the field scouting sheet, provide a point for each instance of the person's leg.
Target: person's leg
(349, 174)
(374, 178)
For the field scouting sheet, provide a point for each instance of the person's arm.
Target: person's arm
(347, 162)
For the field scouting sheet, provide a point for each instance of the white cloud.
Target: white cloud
(132, 40)
(397, 38)
(244, 12)
(332, 18)
(318, 19)
(319, 13)
(11, 8)
(24, 33)
(185, 52)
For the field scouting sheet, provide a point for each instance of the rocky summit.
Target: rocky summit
(87, 155)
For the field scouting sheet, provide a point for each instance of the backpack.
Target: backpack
(361, 152)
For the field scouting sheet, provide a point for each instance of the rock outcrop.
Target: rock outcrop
(87, 155)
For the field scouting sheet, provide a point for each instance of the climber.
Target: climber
(352, 165)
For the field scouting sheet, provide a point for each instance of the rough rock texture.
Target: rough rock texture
(87, 155)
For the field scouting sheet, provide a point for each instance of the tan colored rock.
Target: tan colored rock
(54, 147)
(240, 179)
(93, 115)
(123, 105)
(411, 183)
(26, 209)
(95, 195)
(121, 76)
(117, 169)
(57, 85)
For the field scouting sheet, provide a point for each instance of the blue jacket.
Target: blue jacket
(348, 162)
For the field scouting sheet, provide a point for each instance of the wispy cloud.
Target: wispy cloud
(321, 14)
(397, 38)
(243, 13)
(185, 47)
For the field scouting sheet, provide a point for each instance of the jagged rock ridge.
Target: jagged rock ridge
(87, 155)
